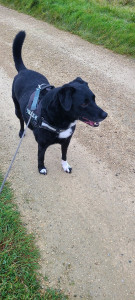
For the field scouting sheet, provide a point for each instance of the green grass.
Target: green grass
(18, 256)
(107, 23)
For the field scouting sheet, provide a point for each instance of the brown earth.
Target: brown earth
(84, 223)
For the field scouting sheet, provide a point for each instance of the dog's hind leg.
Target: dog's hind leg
(64, 147)
(19, 116)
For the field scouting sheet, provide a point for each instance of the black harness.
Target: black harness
(33, 109)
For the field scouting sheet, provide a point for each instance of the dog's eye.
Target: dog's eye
(85, 103)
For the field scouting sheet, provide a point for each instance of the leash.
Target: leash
(31, 115)
(1, 188)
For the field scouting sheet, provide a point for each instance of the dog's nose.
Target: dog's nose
(103, 114)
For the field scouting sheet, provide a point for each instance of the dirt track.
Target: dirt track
(84, 223)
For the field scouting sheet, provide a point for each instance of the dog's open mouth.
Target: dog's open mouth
(91, 123)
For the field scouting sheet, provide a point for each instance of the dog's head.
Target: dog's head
(73, 101)
(78, 101)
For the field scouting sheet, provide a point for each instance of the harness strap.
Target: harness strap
(46, 126)
(40, 87)
(35, 100)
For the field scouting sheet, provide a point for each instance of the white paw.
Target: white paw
(66, 167)
(43, 171)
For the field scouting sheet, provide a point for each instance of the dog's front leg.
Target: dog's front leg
(64, 146)
(41, 153)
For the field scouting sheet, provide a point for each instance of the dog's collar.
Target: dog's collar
(62, 133)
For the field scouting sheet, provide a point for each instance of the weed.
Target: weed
(18, 256)
(110, 23)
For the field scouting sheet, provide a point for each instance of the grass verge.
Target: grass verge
(107, 23)
(18, 256)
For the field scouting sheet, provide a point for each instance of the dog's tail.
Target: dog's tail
(17, 50)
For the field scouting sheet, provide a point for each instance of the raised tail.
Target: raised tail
(17, 50)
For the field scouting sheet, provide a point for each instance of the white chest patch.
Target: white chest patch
(66, 133)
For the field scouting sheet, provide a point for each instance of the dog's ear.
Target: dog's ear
(65, 96)
(80, 80)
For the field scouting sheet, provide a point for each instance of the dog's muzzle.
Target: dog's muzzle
(94, 123)
(91, 123)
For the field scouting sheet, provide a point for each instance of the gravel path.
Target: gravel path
(84, 223)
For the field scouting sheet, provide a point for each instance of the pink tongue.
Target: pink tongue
(91, 123)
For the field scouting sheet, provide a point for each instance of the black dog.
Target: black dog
(53, 111)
